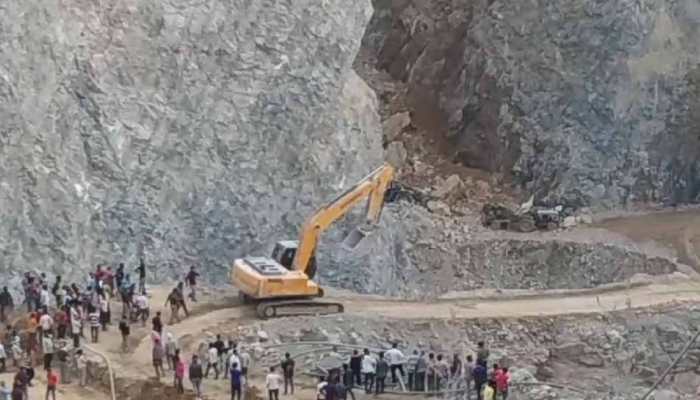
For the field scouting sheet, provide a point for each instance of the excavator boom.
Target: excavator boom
(373, 187)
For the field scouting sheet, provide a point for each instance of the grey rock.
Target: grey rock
(187, 133)
(394, 125)
(565, 98)
(452, 184)
(396, 154)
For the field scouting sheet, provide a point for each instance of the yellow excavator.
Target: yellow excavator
(283, 285)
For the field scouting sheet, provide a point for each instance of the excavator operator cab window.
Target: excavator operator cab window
(284, 254)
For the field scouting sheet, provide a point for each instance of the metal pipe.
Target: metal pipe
(109, 369)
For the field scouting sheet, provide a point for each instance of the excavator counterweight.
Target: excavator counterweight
(283, 285)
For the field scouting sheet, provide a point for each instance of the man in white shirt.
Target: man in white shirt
(44, 297)
(273, 381)
(141, 302)
(46, 324)
(369, 366)
(234, 360)
(245, 362)
(213, 355)
(48, 349)
(396, 359)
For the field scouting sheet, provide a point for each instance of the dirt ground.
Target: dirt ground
(677, 230)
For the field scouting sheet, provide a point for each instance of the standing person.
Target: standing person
(245, 362)
(288, 372)
(482, 354)
(179, 372)
(411, 364)
(94, 318)
(236, 384)
(6, 303)
(503, 383)
(48, 347)
(213, 361)
(369, 366)
(421, 369)
(455, 369)
(60, 319)
(16, 348)
(45, 323)
(158, 354)
(3, 358)
(51, 383)
(32, 327)
(157, 323)
(489, 392)
(196, 375)
(119, 276)
(56, 291)
(81, 363)
(125, 331)
(432, 372)
(356, 367)
(469, 377)
(104, 309)
(273, 383)
(443, 372)
(191, 281)
(221, 349)
(142, 276)
(480, 375)
(62, 359)
(5, 392)
(345, 387)
(44, 297)
(142, 309)
(382, 370)
(395, 358)
(75, 325)
(170, 350)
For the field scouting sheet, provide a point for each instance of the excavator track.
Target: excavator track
(294, 308)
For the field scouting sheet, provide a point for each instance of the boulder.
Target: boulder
(394, 125)
(396, 154)
(449, 186)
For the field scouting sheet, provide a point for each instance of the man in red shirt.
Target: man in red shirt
(51, 383)
(503, 382)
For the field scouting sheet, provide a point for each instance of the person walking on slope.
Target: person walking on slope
(480, 375)
(158, 354)
(191, 281)
(213, 361)
(179, 372)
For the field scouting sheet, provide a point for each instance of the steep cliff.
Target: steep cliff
(190, 132)
(581, 102)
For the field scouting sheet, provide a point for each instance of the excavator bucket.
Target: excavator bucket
(355, 237)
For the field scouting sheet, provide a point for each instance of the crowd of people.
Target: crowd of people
(419, 372)
(58, 316)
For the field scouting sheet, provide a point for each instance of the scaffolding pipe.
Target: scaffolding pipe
(109, 369)
(675, 362)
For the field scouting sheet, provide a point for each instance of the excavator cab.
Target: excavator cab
(284, 253)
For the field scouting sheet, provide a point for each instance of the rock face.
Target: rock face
(581, 102)
(189, 133)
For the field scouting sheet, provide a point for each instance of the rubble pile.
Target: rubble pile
(614, 356)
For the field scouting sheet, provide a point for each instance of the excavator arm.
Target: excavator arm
(372, 188)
